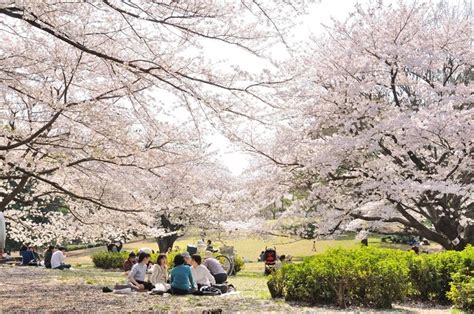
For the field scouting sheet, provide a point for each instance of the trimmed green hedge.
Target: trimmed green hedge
(109, 260)
(374, 277)
(75, 247)
(115, 260)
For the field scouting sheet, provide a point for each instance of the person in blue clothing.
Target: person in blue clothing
(28, 257)
(182, 281)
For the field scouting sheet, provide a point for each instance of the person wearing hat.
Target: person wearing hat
(216, 269)
(128, 264)
(187, 258)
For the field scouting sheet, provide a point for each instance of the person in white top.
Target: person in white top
(160, 271)
(201, 275)
(58, 258)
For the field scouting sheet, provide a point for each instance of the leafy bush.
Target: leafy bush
(462, 289)
(115, 260)
(431, 274)
(109, 260)
(376, 277)
(239, 264)
(365, 276)
(75, 247)
(276, 283)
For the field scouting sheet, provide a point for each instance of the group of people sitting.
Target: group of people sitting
(53, 257)
(190, 273)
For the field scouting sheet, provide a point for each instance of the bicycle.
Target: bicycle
(226, 258)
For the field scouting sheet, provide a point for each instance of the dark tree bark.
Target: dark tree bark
(175, 231)
(165, 243)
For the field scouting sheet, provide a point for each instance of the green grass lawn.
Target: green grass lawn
(248, 248)
(250, 282)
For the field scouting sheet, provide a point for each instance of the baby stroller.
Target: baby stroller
(270, 259)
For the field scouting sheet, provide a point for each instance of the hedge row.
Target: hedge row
(378, 277)
(115, 260)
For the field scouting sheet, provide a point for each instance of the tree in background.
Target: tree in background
(100, 99)
(379, 125)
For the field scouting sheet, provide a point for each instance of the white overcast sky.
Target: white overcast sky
(319, 13)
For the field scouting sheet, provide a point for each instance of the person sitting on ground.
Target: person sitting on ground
(216, 269)
(261, 257)
(131, 260)
(7, 255)
(210, 247)
(35, 254)
(182, 281)
(26, 255)
(159, 273)
(47, 256)
(201, 274)
(136, 276)
(58, 258)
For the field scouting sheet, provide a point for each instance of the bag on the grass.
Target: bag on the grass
(160, 288)
(206, 290)
(223, 288)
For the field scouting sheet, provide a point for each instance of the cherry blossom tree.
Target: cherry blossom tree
(99, 100)
(379, 125)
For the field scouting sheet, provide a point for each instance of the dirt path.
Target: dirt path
(33, 289)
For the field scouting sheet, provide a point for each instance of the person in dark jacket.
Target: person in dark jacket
(47, 256)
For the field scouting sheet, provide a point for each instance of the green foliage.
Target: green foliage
(109, 260)
(171, 257)
(276, 283)
(398, 238)
(374, 277)
(75, 247)
(239, 264)
(431, 274)
(462, 289)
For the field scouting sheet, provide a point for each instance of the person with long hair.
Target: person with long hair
(159, 273)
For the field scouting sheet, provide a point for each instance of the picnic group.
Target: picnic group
(190, 274)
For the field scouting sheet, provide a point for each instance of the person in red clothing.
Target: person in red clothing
(132, 260)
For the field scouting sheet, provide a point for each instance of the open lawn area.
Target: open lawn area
(250, 248)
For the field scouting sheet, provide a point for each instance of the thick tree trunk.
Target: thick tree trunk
(165, 243)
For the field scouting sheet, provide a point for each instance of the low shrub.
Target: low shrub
(109, 260)
(75, 247)
(239, 264)
(375, 277)
(461, 292)
(366, 276)
(115, 260)
(431, 274)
